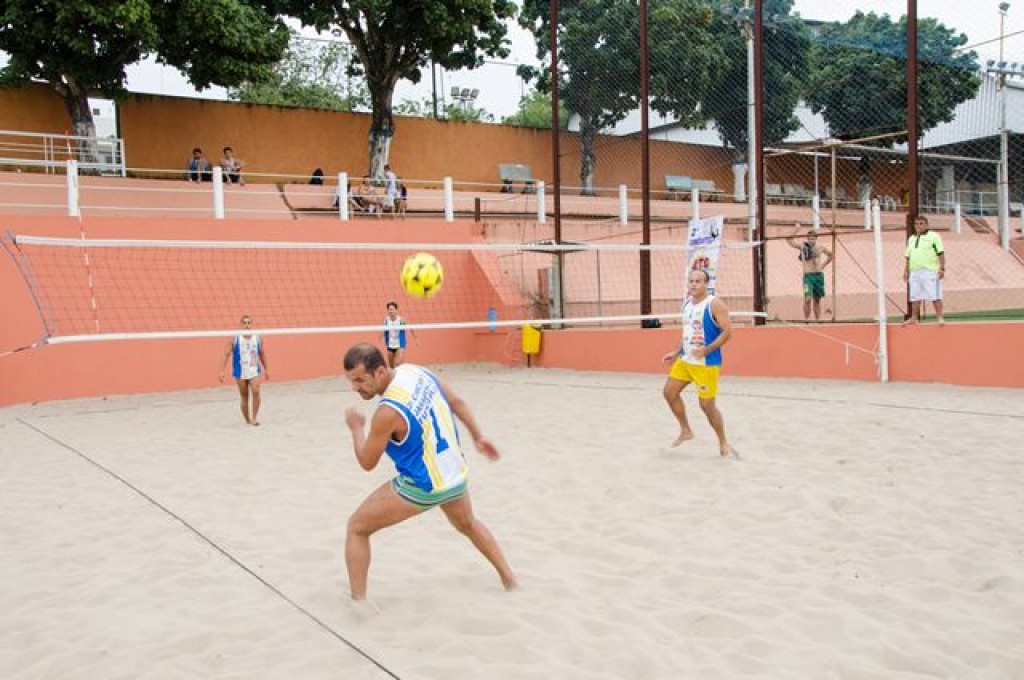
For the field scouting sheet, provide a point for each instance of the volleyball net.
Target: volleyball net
(88, 289)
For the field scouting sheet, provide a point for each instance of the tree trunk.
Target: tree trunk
(588, 158)
(76, 102)
(382, 126)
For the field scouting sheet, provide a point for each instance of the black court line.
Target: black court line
(330, 631)
(746, 395)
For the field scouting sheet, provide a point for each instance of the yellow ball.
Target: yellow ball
(422, 275)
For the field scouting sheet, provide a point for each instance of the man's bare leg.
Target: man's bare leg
(914, 312)
(817, 309)
(460, 514)
(381, 509)
(717, 424)
(254, 386)
(807, 309)
(938, 311)
(243, 394)
(673, 395)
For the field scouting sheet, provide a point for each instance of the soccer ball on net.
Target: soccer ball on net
(422, 275)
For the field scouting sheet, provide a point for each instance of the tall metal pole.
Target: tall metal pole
(1004, 143)
(645, 169)
(913, 175)
(556, 157)
(760, 293)
(752, 170)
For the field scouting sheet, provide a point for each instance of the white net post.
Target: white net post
(542, 213)
(867, 215)
(342, 195)
(623, 205)
(816, 212)
(72, 182)
(883, 335)
(449, 200)
(695, 203)
(218, 193)
(957, 225)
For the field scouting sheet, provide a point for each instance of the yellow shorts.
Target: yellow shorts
(704, 377)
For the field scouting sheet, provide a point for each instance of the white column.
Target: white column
(542, 213)
(623, 205)
(816, 212)
(883, 334)
(695, 202)
(449, 200)
(739, 176)
(218, 193)
(957, 224)
(867, 215)
(342, 194)
(72, 181)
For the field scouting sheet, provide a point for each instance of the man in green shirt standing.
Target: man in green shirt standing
(924, 270)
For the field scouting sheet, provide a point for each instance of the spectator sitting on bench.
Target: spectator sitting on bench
(232, 167)
(365, 198)
(198, 168)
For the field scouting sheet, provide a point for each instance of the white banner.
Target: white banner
(703, 245)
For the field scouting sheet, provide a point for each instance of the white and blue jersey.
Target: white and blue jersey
(429, 454)
(394, 333)
(245, 357)
(700, 330)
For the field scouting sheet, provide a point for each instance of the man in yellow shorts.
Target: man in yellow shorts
(698, 360)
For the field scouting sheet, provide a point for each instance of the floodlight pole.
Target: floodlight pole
(1003, 195)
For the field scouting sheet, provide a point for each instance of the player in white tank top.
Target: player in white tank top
(248, 364)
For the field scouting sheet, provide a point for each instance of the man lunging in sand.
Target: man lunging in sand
(706, 327)
(415, 425)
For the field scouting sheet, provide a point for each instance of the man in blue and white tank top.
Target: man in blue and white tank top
(394, 335)
(414, 424)
(706, 327)
(248, 364)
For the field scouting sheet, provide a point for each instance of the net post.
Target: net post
(816, 211)
(449, 200)
(957, 217)
(218, 193)
(883, 337)
(342, 194)
(542, 216)
(72, 181)
(623, 205)
(695, 203)
(867, 214)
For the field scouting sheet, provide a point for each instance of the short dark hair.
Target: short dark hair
(197, 150)
(391, 304)
(363, 354)
(921, 218)
(227, 148)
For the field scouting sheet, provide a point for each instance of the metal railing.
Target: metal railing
(94, 155)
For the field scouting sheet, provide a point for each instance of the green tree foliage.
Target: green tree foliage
(599, 57)
(786, 49)
(858, 80)
(312, 74)
(81, 48)
(394, 39)
(424, 108)
(535, 112)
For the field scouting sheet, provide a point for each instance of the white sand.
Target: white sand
(870, 532)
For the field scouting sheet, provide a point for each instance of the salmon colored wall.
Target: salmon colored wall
(33, 108)
(160, 132)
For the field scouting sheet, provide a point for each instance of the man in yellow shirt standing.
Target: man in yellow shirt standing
(924, 270)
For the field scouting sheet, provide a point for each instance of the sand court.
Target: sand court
(869, 532)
